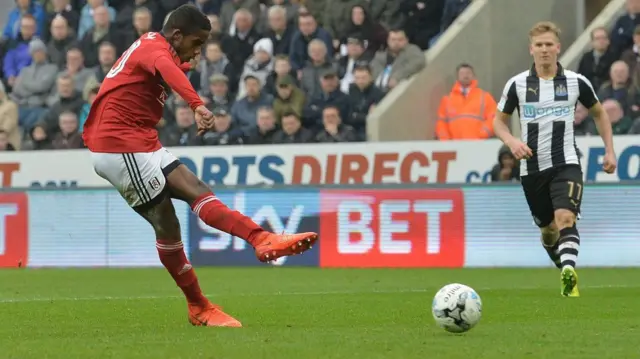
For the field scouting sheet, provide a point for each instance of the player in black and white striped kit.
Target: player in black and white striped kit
(545, 97)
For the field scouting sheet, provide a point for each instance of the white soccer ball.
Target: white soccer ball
(457, 308)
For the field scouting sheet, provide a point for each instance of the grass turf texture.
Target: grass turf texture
(314, 313)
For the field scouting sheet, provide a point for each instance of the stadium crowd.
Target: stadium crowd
(274, 71)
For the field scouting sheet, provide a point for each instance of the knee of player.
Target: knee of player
(564, 218)
(168, 229)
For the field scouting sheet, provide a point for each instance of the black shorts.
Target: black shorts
(552, 189)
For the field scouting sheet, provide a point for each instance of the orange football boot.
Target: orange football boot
(211, 315)
(272, 246)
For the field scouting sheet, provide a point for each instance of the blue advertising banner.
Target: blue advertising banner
(276, 211)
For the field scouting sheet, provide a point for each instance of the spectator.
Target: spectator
(244, 110)
(399, 62)
(128, 11)
(620, 123)
(68, 138)
(33, 86)
(280, 32)
(292, 130)
(217, 35)
(388, 13)
(362, 27)
(216, 62)
(24, 9)
(5, 145)
(224, 131)
(363, 97)
(423, 20)
(281, 68)
(209, 6)
(88, 17)
(308, 31)
(318, 64)
(229, 12)
(242, 39)
(9, 126)
(507, 168)
(101, 32)
(291, 9)
(184, 132)
(141, 25)
(622, 31)
(37, 139)
(334, 130)
(337, 21)
(329, 96)
(315, 9)
(583, 124)
(452, 9)
(621, 88)
(66, 99)
(61, 41)
(76, 70)
(467, 112)
(84, 112)
(289, 98)
(595, 64)
(64, 9)
(18, 55)
(259, 65)
(218, 92)
(265, 131)
(106, 60)
(346, 64)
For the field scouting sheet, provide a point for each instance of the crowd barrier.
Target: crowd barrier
(410, 226)
(321, 164)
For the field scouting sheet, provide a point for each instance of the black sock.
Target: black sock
(569, 245)
(554, 253)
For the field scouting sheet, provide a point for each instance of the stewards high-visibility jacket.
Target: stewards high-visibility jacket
(466, 116)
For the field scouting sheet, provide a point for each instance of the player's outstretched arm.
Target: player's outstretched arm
(606, 132)
(178, 81)
(590, 100)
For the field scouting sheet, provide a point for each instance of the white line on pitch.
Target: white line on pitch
(337, 292)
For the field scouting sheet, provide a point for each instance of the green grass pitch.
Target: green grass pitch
(315, 313)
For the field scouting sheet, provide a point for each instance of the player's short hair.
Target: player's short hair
(544, 27)
(331, 107)
(188, 19)
(143, 10)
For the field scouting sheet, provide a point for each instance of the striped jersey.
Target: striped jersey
(546, 109)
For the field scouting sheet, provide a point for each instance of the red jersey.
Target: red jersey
(129, 105)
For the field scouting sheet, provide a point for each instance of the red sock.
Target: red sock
(173, 258)
(215, 214)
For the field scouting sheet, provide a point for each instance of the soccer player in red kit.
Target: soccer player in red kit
(125, 150)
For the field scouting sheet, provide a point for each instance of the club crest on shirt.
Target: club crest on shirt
(561, 90)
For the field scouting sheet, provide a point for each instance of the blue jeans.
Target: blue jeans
(29, 116)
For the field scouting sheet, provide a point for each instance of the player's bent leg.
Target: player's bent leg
(161, 215)
(184, 185)
(549, 236)
(569, 246)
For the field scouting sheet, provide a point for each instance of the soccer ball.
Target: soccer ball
(457, 308)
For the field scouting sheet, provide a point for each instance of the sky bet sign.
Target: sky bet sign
(275, 211)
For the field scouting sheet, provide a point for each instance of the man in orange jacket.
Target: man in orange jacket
(467, 112)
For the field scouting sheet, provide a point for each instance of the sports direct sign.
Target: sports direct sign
(346, 164)
(390, 228)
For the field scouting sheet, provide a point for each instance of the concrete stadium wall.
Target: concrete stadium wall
(492, 36)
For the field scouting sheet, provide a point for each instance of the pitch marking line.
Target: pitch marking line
(284, 294)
